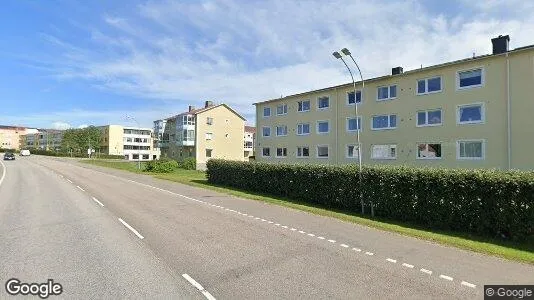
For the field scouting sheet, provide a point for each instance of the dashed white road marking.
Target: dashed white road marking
(369, 253)
(426, 271)
(96, 200)
(391, 260)
(300, 231)
(131, 228)
(284, 226)
(357, 249)
(446, 277)
(263, 220)
(311, 234)
(332, 241)
(69, 180)
(80, 188)
(277, 224)
(407, 265)
(321, 237)
(198, 286)
(469, 284)
(256, 218)
(344, 246)
(293, 229)
(245, 214)
(270, 222)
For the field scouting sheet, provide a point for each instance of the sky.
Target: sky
(69, 64)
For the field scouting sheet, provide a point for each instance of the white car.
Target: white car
(24, 152)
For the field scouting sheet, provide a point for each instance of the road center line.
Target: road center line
(80, 188)
(469, 284)
(198, 286)
(446, 277)
(407, 265)
(331, 241)
(426, 271)
(369, 253)
(96, 200)
(131, 228)
(357, 249)
(344, 246)
(391, 260)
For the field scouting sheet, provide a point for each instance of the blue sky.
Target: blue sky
(72, 63)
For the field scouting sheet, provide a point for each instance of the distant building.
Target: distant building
(249, 140)
(44, 139)
(10, 136)
(133, 143)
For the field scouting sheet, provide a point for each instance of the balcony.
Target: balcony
(248, 146)
(185, 143)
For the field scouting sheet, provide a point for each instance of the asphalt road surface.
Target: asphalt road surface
(105, 233)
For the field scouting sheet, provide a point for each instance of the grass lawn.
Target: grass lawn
(518, 251)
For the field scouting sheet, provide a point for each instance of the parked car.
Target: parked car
(24, 152)
(9, 156)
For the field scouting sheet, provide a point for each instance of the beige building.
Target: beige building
(43, 139)
(470, 113)
(12, 136)
(133, 143)
(214, 131)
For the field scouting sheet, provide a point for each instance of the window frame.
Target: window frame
(270, 112)
(347, 151)
(284, 109)
(263, 132)
(483, 141)
(355, 98)
(302, 101)
(317, 127)
(206, 152)
(318, 100)
(276, 131)
(426, 92)
(389, 122)
(210, 135)
(389, 92)
(263, 153)
(209, 121)
(482, 113)
(358, 124)
(426, 117)
(297, 152)
(303, 134)
(389, 148)
(283, 156)
(317, 151)
(428, 158)
(482, 78)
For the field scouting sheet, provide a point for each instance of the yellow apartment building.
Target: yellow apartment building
(133, 143)
(470, 113)
(44, 139)
(214, 131)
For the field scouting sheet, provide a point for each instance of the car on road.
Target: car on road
(9, 156)
(24, 152)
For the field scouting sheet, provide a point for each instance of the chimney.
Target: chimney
(500, 44)
(208, 104)
(396, 71)
(191, 108)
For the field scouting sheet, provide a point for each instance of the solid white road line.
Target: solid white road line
(407, 265)
(469, 284)
(96, 200)
(198, 286)
(391, 260)
(446, 277)
(426, 271)
(80, 188)
(4, 171)
(131, 228)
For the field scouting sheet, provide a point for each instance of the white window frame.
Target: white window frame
(309, 129)
(317, 151)
(263, 133)
(355, 99)
(270, 112)
(297, 152)
(482, 79)
(389, 122)
(482, 113)
(317, 126)
(428, 158)
(262, 155)
(426, 92)
(389, 92)
(389, 149)
(483, 141)
(210, 134)
(209, 120)
(276, 132)
(358, 122)
(355, 149)
(302, 101)
(323, 108)
(426, 114)
(284, 109)
(276, 154)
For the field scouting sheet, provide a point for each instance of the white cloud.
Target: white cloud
(61, 125)
(83, 126)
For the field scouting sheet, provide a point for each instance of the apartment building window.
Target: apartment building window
(384, 122)
(470, 78)
(429, 118)
(303, 129)
(188, 135)
(350, 97)
(303, 151)
(323, 127)
(429, 85)
(353, 124)
(386, 92)
(429, 151)
(470, 149)
(352, 151)
(281, 152)
(384, 151)
(209, 121)
(266, 131)
(208, 152)
(281, 109)
(135, 156)
(470, 113)
(304, 105)
(281, 130)
(266, 152)
(323, 102)
(146, 156)
(209, 136)
(188, 120)
(322, 151)
(266, 112)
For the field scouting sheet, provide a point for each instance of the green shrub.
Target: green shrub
(161, 166)
(189, 164)
(482, 202)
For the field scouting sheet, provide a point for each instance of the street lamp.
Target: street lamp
(337, 55)
(139, 146)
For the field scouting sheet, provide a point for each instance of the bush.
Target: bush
(2, 150)
(161, 166)
(188, 164)
(482, 202)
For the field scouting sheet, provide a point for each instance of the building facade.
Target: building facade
(249, 140)
(214, 131)
(471, 113)
(43, 139)
(11, 136)
(132, 143)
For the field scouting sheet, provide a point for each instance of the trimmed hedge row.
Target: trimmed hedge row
(482, 202)
(161, 166)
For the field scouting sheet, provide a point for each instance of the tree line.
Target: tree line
(80, 139)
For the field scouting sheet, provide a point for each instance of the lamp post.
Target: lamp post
(337, 55)
(139, 146)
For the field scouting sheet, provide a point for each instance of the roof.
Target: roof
(12, 127)
(250, 129)
(345, 85)
(204, 109)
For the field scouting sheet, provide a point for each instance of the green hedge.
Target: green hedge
(188, 164)
(2, 150)
(482, 202)
(161, 166)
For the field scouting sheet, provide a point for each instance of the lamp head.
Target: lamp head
(345, 51)
(336, 55)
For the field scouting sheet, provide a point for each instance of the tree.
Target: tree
(79, 140)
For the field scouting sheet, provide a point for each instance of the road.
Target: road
(60, 220)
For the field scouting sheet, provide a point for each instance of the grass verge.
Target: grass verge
(517, 251)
